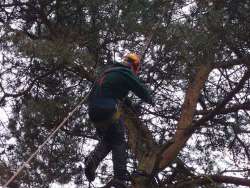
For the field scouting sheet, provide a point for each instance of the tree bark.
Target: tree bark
(151, 157)
(144, 147)
(185, 123)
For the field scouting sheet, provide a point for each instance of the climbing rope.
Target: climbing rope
(154, 29)
(142, 53)
(25, 164)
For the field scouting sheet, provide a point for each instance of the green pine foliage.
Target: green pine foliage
(50, 51)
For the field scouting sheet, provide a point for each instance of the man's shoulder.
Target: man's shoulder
(119, 68)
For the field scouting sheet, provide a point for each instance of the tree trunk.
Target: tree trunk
(153, 158)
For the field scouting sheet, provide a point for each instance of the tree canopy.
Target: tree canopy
(197, 65)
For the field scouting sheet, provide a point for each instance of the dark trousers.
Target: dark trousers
(112, 138)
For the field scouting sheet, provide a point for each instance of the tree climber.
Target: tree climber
(113, 86)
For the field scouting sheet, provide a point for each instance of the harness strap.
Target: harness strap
(104, 74)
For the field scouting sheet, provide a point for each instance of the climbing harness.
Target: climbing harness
(103, 75)
(142, 53)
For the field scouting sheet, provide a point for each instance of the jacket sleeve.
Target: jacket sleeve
(138, 88)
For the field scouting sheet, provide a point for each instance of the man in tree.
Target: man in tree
(113, 86)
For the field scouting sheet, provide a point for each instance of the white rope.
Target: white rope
(25, 164)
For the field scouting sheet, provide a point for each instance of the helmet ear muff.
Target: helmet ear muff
(133, 65)
(135, 68)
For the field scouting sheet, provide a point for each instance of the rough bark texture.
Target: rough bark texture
(143, 146)
(185, 122)
(51, 49)
(151, 157)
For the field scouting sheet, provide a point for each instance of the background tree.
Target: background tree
(197, 65)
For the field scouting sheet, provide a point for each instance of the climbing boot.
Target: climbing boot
(90, 168)
(93, 160)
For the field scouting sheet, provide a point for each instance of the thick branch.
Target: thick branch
(139, 137)
(186, 118)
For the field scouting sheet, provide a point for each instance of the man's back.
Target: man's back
(115, 82)
(112, 85)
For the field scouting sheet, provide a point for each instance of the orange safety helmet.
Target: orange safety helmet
(132, 60)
